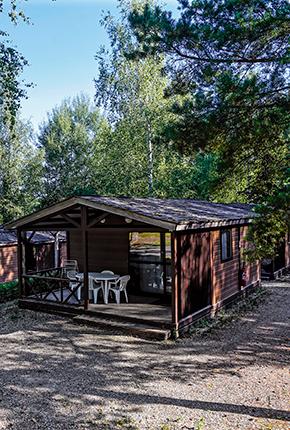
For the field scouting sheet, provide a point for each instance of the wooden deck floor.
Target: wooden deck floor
(139, 309)
(147, 312)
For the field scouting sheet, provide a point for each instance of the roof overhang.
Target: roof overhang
(79, 201)
(213, 224)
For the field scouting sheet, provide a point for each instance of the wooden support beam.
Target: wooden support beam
(212, 272)
(68, 245)
(31, 236)
(97, 220)
(49, 227)
(163, 259)
(175, 257)
(84, 222)
(71, 220)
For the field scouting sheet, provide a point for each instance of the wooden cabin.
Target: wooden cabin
(274, 268)
(41, 249)
(183, 257)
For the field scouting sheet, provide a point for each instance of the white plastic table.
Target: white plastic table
(106, 278)
(101, 277)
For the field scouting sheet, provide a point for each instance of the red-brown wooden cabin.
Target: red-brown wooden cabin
(183, 256)
(42, 251)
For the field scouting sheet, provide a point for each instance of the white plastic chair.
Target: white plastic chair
(108, 271)
(118, 286)
(96, 287)
(74, 281)
(70, 265)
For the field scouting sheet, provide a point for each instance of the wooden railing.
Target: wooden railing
(51, 285)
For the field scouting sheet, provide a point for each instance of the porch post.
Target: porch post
(163, 259)
(20, 262)
(175, 259)
(84, 222)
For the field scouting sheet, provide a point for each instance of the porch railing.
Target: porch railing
(51, 285)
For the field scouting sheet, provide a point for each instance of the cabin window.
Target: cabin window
(226, 245)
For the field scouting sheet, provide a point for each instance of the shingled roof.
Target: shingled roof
(9, 237)
(178, 211)
(172, 214)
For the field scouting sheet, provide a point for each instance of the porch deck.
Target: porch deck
(149, 313)
(140, 309)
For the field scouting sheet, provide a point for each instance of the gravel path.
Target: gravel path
(56, 375)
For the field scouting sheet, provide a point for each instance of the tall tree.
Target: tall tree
(232, 58)
(12, 87)
(16, 148)
(70, 139)
(21, 170)
(132, 94)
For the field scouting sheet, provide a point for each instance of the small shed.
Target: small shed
(191, 268)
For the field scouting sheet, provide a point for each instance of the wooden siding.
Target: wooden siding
(225, 275)
(252, 271)
(8, 263)
(62, 252)
(108, 249)
(195, 272)
(41, 257)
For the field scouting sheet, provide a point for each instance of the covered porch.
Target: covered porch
(101, 237)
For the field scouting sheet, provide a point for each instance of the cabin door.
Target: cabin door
(195, 273)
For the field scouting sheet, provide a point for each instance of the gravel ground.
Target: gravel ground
(56, 375)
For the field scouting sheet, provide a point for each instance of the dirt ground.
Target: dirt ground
(57, 375)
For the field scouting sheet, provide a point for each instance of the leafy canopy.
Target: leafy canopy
(69, 139)
(231, 58)
(132, 95)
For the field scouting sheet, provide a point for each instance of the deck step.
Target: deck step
(144, 331)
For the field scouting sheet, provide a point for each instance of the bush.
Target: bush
(9, 291)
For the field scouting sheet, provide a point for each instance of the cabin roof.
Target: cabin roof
(9, 237)
(173, 214)
(178, 211)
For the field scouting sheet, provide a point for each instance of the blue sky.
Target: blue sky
(60, 46)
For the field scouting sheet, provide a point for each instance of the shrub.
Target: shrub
(9, 291)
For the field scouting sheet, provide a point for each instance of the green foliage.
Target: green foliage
(13, 11)
(200, 424)
(12, 63)
(132, 95)
(231, 59)
(9, 291)
(21, 170)
(71, 140)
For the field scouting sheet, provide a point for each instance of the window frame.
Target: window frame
(228, 231)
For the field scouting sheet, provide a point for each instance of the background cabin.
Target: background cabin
(42, 252)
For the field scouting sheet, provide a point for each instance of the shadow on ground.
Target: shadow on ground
(57, 375)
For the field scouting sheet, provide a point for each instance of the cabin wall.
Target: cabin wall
(225, 275)
(204, 282)
(8, 263)
(62, 252)
(108, 249)
(195, 292)
(38, 257)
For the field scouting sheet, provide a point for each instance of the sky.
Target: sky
(60, 46)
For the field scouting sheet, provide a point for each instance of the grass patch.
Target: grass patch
(9, 291)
